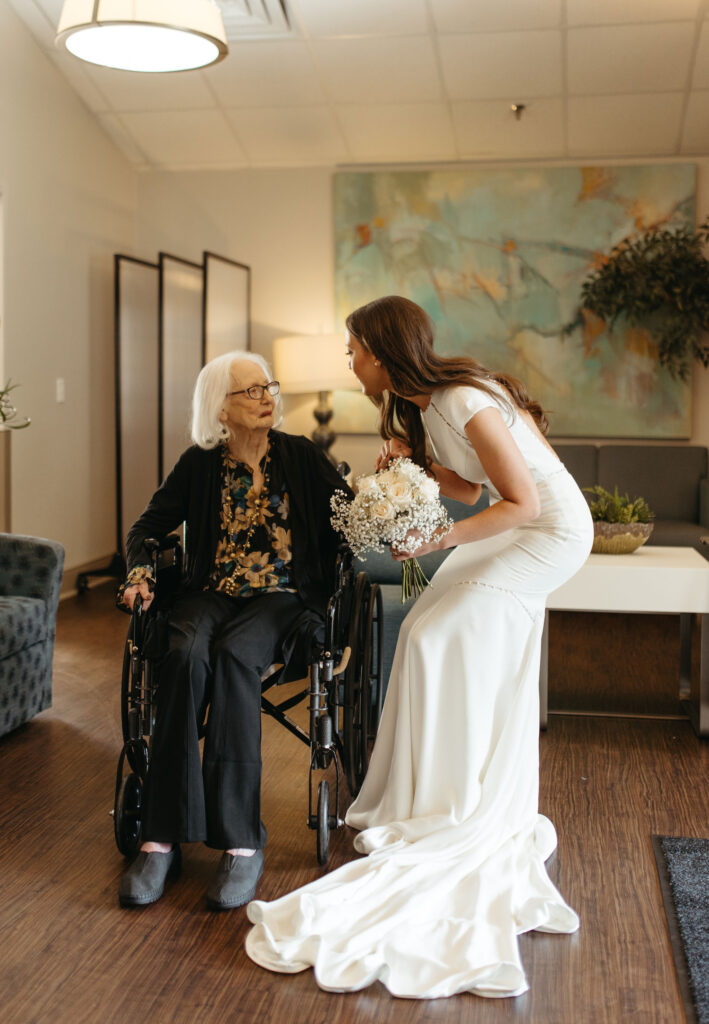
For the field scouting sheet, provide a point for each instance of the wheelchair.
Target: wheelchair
(344, 691)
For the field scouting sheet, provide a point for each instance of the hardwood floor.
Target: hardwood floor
(71, 954)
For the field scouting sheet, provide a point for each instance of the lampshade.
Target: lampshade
(143, 35)
(312, 362)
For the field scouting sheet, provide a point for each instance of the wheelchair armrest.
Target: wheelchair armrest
(153, 545)
(159, 546)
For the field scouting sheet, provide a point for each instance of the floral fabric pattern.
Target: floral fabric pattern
(254, 549)
(140, 574)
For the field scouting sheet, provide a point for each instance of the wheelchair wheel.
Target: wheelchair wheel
(127, 814)
(323, 822)
(362, 681)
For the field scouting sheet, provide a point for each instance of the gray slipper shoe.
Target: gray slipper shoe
(235, 881)
(144, 881)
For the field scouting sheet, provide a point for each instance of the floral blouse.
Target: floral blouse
(254, 549)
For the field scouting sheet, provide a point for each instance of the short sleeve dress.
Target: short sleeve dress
(448, 810)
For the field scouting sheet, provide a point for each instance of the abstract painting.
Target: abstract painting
(497, 259)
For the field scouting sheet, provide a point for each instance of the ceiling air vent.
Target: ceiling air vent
(254, 19)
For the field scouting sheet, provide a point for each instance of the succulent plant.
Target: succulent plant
(618, 508)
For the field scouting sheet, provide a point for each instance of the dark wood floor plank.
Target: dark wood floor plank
(71, 954)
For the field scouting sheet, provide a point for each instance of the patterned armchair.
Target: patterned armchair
(30, 580)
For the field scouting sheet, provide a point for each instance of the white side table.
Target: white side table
(664, 580)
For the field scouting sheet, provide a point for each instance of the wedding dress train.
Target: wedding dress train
(448, 809)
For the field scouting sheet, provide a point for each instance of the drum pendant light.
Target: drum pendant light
(143, 35)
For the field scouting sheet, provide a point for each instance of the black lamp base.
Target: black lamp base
(322, 435)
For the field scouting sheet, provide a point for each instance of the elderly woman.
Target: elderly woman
(259, 571)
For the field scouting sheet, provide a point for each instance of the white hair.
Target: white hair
(210, 391)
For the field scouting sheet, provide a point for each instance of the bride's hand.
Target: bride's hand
(405, 550)
(392, 449)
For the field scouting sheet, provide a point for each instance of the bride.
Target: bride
(448, 810)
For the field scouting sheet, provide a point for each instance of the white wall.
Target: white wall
(281, 223)
(69, 199)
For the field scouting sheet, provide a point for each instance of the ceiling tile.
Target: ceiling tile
(627, 59)
(701, 60)
(463, 16)
(75, 71)
(191, 138)
(394, 132)
(402, 70)
(51, 8)
(365, 17)
(316, 96)
(265, 74)
(624, 125)
(490, 129)
(131, 91)
(39, 20)
(487, 65)
(289, 136)
(114, 128)
(618, 12)
(695, 137)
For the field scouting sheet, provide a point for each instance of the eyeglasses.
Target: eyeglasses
(256, 390)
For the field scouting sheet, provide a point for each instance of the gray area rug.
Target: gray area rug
(683, 867)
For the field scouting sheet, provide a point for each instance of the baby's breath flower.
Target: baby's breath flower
(386, 506)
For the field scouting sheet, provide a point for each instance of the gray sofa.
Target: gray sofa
(30, 581)
(672, 480)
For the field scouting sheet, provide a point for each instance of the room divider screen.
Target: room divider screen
(137, 291)
(170, 317)
(181, 352)
(227, 305)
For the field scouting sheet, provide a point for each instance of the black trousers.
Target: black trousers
(218, 649)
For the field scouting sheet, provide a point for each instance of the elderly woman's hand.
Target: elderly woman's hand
(391, 449)
(131, 592)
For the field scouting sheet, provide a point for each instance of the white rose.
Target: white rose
(399, 492)
(367, 485)
(429, 488)
(382, 510)
(384, 478)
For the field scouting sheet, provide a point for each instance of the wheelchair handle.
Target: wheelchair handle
(346, 654)
(137, 621)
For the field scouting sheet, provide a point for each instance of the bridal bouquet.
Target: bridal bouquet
(386, 506)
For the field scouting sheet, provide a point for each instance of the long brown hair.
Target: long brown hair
(400, 335)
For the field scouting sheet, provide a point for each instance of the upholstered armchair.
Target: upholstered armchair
(30, 580)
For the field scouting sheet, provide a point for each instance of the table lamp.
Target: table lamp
(306, 363)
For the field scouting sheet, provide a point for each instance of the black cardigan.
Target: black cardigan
(191, 493)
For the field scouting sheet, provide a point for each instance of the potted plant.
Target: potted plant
(659, 281)
(8, 412)
(620, 525)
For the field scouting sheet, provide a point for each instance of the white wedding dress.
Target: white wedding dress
(448, 810)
